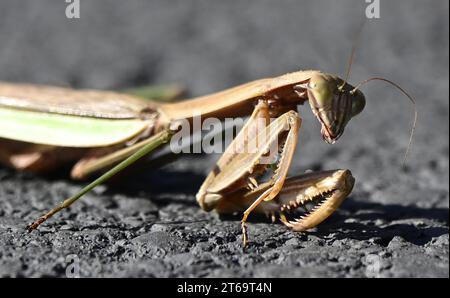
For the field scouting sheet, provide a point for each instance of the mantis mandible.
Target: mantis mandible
(42, 127)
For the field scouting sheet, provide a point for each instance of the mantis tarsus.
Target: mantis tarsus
(41, 127)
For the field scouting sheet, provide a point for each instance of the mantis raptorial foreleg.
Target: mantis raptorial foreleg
(259, 119)
(249, 155)
(291, 123)
(306, 199)
(324, 190)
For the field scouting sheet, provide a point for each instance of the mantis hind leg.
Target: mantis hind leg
(36, 158)
(150, 145)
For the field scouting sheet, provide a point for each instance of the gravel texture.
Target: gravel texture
(147, 224)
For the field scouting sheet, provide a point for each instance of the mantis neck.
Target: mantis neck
(238, 101)
(233, 102)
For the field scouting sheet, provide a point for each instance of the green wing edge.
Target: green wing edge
(66, 130)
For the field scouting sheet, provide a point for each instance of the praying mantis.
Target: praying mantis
(42, 127)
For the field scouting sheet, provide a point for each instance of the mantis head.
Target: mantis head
(333, 102)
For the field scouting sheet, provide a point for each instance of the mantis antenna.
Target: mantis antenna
(413, 126)
(347, 75)
(352, 54)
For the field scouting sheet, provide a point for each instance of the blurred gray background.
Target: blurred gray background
(151, 226)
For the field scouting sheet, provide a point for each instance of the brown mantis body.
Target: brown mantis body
(235, 184)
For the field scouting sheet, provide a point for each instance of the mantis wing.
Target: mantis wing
(66, 101)
(65, 130)
(70, 118)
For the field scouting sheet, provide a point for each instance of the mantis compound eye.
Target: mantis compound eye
(358, 102)
(321, 92)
